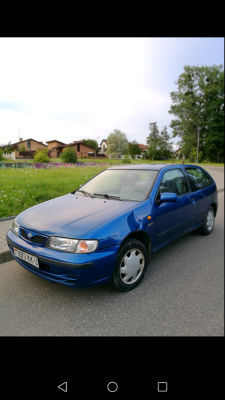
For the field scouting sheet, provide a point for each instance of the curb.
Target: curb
(5, 255)
(7, 218)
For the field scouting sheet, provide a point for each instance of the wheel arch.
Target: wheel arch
(213, 205)
(143, 237)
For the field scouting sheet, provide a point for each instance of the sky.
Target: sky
(71, 89)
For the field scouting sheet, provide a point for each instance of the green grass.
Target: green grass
(24, 187)
(116, 161)
(141, 161)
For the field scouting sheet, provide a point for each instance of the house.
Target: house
(103, 146)
(144, 150)
(53, 150)
(56, 147)
(177, 154)
(29, 144)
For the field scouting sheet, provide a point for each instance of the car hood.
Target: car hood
(71, 215)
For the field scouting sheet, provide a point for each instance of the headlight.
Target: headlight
(62, 244)
(15, 227)
(72, 245)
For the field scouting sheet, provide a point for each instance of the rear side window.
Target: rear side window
(198, 178)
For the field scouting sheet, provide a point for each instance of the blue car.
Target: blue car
(107, 230)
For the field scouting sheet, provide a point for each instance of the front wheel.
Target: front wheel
(130, 266)
(208, 223)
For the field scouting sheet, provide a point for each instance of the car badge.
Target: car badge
(29, 235)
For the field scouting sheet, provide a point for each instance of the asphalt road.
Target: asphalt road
(182, 294)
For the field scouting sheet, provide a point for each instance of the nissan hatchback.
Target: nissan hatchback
(107, 230)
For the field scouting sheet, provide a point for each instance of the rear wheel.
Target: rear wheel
(208, 224)
(130, 266)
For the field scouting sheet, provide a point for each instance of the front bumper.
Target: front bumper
(73, 270)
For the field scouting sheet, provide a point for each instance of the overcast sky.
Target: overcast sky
(75, 88)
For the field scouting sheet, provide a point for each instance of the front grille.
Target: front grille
(38, 239)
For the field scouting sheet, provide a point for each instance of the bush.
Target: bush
(69, 156)
(22, 148)
(41, 156)
(126, 159)
(1, 154)
(193, 155)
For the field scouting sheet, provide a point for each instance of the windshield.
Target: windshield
(121, 184)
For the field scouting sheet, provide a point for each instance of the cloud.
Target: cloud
(12, 106)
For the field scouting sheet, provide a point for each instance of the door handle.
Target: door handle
(193, 201)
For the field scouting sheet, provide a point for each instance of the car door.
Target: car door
(203, 188)
(173, 219)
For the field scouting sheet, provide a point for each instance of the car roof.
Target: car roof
(155, 167)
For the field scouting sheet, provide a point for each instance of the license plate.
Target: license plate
(26, 257)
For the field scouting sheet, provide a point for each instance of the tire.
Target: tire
(208, 223)
(130, 266)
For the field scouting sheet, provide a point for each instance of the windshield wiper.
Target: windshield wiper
(87, 194)
(107, 196)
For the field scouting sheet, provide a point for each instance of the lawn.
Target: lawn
(24, 187)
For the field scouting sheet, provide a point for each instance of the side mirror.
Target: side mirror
(168, 197)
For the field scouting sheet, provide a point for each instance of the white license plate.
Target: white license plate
(26, 257)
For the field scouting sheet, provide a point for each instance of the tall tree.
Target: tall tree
(117, 143)
(134, 149)
(199, 102)
(165, 144)
(153, 140)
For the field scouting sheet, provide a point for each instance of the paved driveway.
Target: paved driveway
(182, 295)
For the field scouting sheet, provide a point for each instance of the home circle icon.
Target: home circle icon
(112, 386)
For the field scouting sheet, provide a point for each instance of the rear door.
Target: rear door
(202, 187)
(173, 219)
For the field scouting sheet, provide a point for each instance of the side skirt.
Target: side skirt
(176, 237)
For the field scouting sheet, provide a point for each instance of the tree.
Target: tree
(22, 148)
(153, 140)
(1, 154)
(117, 144)
(164, 143)
(41, 156)
(199, 102)
(69, 155)
(90, 142)
(8, 149)
(134, 148)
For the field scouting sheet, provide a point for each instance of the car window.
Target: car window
(126, 184)
(198, 178)
(174, 181)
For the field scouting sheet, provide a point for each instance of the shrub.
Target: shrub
(193, 155)
(41, 156)
(69, 156)
(22, 148)
(126, 159)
